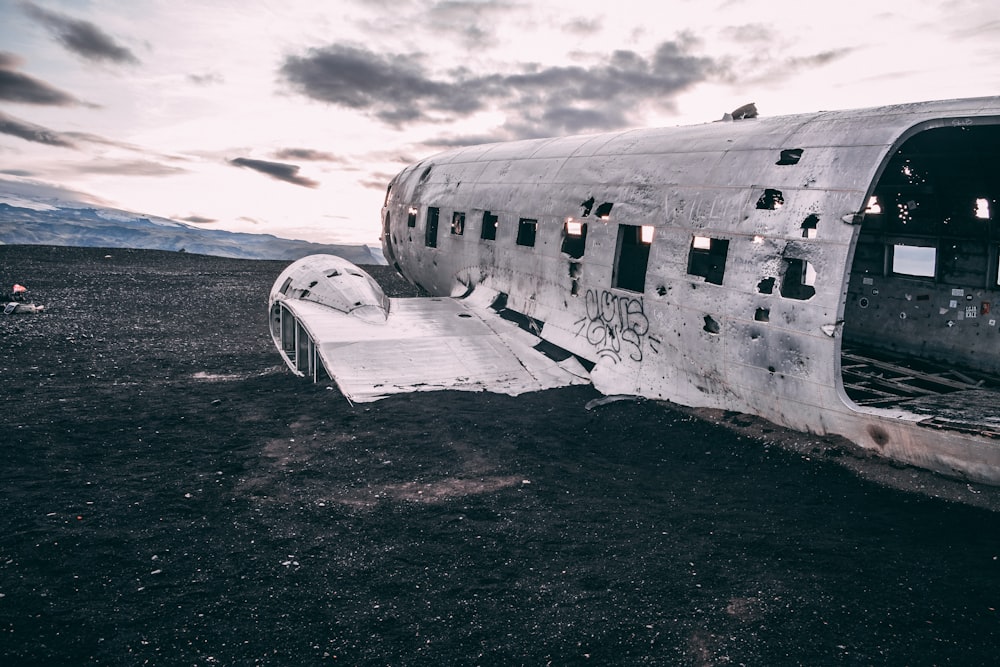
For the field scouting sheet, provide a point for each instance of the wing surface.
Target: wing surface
(422, 344)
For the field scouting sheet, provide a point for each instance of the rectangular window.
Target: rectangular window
(526, 231)
(632, 257)
(707, 258)
(431, 233)
(458, 223)
(799, 280)
(574, 238)
(913, 261)
(489, 231)
(411, 217)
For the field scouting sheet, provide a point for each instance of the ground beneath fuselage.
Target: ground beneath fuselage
(173, 494)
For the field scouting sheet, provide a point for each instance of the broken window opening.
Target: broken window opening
(427, 172)
(587, 205)
(388, 189)
(913, 261)
(527, 229)
(411, 217)
(983, 208)
(771, 200)
(707, 258)
(285, 285)
(575, 269)
(574, 238)
(458, 223)
(631, 259)
(762, 315)
(799, 279)
(809, 226)
(766, 286)
(287, 330)
(431, 233)
(489, 230)
(711, 326)
(789, 156)
(604, 211)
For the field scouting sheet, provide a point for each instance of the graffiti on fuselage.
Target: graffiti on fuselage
(616, 325)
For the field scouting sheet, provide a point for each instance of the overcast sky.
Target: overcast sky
(290, 117)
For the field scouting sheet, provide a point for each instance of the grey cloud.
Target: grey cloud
(307, 154)
(764, 67)
(18, 87)
(128, 168)
(583, 27)
(32, 132)
(377, 181)
(196, 220)
(206, 79)
(749, 33)
(81, 37)
(541, 100)
(277, 170)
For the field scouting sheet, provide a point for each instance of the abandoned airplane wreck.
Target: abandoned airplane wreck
(834, 272)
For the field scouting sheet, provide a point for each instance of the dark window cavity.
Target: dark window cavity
(771, 200)
(762, 315)
(766, 286)
(411, 217)
(574, 238)
(604, 210)
(632, 257)
(789, 156)
(387, 191)
(799, 280)
(587, 206)
(526, 231)
(809, 226)
(431, 233)
(707, 258)
(427, 172)
(458, 223)
(489, 231)
(711, 326)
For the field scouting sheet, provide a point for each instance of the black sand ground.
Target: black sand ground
(171, 495)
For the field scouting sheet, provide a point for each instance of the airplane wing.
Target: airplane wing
(331, 319)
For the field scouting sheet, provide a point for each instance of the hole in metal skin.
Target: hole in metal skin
(771, 200)
(789, 156)
(766, 286)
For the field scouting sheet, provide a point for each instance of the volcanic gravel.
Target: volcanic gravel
(173, 495)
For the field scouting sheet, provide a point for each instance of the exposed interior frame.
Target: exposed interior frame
(919, 318)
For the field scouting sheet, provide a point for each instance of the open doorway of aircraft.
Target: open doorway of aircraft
(833, 272)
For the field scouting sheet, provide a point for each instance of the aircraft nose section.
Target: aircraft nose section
(333, 282)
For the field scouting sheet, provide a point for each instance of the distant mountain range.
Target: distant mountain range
(76, 224)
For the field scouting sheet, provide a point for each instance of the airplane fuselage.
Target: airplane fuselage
(724, 265)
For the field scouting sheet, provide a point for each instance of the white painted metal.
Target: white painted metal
(684, 338)
(418, 344)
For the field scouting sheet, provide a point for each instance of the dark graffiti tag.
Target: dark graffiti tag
(615, 325)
